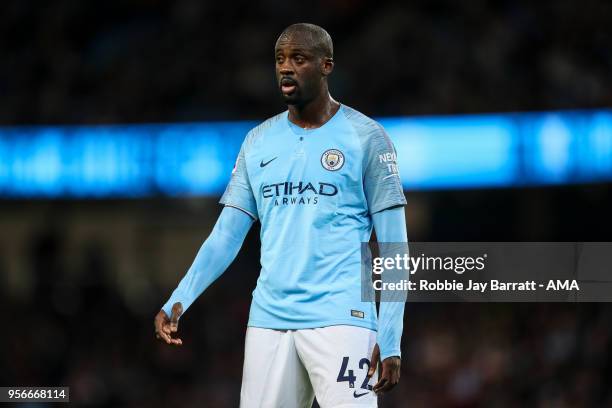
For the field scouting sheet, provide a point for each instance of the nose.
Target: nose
(285, 68)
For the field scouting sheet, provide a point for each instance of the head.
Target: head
(304, 59)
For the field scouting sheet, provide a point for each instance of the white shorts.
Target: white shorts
(287, 368)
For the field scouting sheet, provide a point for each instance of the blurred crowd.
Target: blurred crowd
(81, 333)
(95, 274)
(132, 61)
(81, 282)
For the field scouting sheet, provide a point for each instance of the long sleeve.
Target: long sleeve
(213, 258)
(390, 226)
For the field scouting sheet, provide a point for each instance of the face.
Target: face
(300, 70)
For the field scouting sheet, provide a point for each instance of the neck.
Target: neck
(315, 113)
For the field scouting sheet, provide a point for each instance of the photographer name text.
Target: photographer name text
(475, 286)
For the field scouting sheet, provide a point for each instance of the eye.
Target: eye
(279, 59)
(299, 59)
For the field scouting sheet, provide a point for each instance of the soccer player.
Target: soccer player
(318, 177)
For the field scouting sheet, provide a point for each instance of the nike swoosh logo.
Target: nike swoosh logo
(390, 175)
(262, 164)
(359, 395)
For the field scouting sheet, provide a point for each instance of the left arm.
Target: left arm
(390, 226)
(385, 198)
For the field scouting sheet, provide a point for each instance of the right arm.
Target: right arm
(217, 252)
(213, 258)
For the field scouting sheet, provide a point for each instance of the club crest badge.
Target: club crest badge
(332, 160)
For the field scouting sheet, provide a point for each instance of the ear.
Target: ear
(327, 65)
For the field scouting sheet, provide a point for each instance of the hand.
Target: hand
(390, 372)
(164, 326)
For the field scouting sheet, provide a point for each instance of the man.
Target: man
(318, 177)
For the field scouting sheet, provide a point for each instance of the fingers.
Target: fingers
(374, 361)
(176, 342)
(163, 325)
(163, 336)
(380, 386)
(383, 387)
(167, 339)
(390, 375)
(160, 331)
(160, 322)
(382, 380)
(177, 311)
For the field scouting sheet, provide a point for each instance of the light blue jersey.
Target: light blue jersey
(314, 192)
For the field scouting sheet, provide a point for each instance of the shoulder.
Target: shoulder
(370, 132)
(258, 132)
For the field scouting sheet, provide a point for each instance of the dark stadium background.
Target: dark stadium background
(81, 280)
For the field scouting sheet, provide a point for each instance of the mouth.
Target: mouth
(288, 86)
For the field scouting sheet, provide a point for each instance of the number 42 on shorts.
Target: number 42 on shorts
(350, 378)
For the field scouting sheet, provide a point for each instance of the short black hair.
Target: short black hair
(315, 36)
